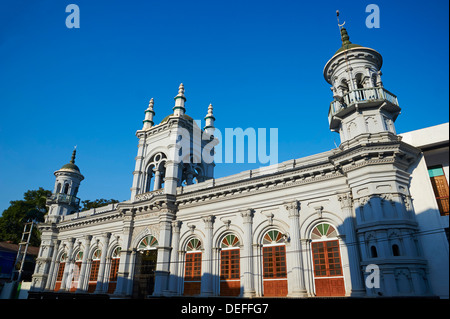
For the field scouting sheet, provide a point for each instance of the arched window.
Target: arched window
(273, 237)
(395, 250)
(373, 252)
(148, 242)
(193, 267)
(95, 265)
(328, 274)
(274, 264)
(323, 231)
(58, 188)
(66, 188)
(145, 267)
(359, 81)
(230, 284)
(60, 274)
(194, 245)
(76, 271)
(149, 177)
(115, 260)
(343, 86)
(156, 172)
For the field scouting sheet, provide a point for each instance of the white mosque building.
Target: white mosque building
(368, 218)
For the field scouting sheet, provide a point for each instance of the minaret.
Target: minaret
(180, 99)
(209, 121)
(149, 113)
(376, 165)
(362, 109)
(63, 200)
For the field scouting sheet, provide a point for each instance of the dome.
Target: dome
(71, 167)
(347, 47)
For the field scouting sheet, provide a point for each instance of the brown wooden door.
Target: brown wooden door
(113, 275)
(76, 276)
(193, 274)
(328, 276)
(93, 275)
(274, 271)
(230, 284)
(440, 188)
(59, 276)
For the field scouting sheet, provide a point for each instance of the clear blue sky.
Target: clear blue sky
(259, 62)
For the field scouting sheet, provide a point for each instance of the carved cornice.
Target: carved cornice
(260, 185)
(90, 220)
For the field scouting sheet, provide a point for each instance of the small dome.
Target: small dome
(71, 167)
(347, 47)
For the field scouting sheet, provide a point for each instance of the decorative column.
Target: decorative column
(68, 265)
(173, 279)
(297, 286)
(166, 216)
(157, 184)
(357, 287)
(101, 270)
(123, 273)
(138, 186)
(81, 280)
(247, 258)
(207, 277)
(49, 283)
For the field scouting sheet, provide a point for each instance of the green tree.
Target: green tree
(19, 212)
(87, 204)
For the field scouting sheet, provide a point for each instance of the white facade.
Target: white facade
(434, 143)
(306, 227)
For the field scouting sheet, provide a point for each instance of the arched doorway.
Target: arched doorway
(76, 271)
(230, 283)
(193, 268)
(274, 265)
(145, 266)
(115, 260)
(60, 274)
(95, 265)
(328, 274)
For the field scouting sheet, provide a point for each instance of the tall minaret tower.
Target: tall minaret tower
(170, 154)
(63, 200)
(362, 108)
(376, 165)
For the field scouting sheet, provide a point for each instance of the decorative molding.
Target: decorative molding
(247, 215)
(319, 211)
(346, 200)
(293, 208)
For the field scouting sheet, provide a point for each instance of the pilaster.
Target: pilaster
(247, 258)
(297, 285)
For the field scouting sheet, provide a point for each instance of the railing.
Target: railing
(64, 198)
(149, 195)
(365, 95)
